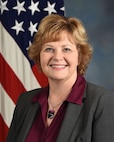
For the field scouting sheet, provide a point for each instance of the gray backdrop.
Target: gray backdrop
(98, 18)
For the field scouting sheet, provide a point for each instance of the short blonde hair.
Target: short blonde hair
(50, 28)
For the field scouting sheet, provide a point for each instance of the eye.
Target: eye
(49, 49)
(66, 49)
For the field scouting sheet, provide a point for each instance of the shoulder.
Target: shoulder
(97, 90)
(25, 99)
(99, 96)
(30, 94)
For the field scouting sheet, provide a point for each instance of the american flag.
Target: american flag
(19, 20)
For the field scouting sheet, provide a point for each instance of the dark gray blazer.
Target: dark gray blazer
(93, 121)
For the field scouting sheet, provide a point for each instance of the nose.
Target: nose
(58, 55)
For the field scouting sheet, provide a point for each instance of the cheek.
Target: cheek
(75, 59)
(76, 62)
(43, 59)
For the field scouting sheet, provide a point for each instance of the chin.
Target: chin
(57, 78)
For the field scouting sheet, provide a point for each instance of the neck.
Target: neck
(59, 90)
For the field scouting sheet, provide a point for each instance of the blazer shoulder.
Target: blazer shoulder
(25, 99)
(24, 102)
(95, 92)
(96, 89)
(98, 97)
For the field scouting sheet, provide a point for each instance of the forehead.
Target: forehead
(63, 35)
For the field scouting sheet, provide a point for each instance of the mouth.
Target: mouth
(58, 66)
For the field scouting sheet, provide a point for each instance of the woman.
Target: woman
(69, 109)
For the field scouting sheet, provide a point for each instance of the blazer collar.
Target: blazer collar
(69, 121)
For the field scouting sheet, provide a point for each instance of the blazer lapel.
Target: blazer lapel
(69, 122)
(28, 122)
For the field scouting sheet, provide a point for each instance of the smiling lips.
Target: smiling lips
(58, 66)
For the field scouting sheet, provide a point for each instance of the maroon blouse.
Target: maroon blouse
(39, 132)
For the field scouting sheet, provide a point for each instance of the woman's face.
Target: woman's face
(59, 59)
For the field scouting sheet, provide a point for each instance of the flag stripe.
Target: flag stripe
(7, 106)
(3, 130)
(6, 75)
